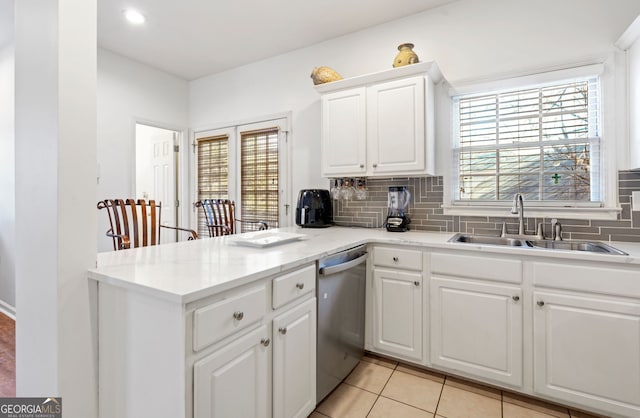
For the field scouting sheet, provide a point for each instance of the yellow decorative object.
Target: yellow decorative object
(406, 56)
(321, 75)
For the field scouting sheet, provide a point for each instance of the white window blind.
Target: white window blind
(259, 187)
(542, 142)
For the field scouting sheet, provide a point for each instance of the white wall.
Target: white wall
(128, 92)
(469, 39)
(55, 149)
(7, 179)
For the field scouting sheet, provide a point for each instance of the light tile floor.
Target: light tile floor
(381, 388)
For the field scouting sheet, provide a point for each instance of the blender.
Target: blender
(398, 201)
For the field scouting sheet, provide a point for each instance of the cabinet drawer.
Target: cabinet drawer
(221, 319)
(490, 268)
(588, 278)
(398, 257)
(293, 285)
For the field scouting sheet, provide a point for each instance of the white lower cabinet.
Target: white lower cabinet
(587, 350)
(476, 328)
(233, 381)
(294, 362)
(397, 313)
(267, 367)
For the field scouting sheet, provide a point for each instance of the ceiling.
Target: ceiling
(195, 38)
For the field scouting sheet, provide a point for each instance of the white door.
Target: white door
(233, 381)
(156, 172)
(477, 328)
(397, 320)
(587, 351)
(294, 362)
(344, 133)
(396, 126)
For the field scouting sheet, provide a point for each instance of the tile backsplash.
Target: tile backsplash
(426, 212)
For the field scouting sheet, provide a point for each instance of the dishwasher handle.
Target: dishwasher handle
(326, 271)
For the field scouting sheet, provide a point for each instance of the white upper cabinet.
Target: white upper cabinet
(380, 124)
(396, 126)
(630, 42)
(344, 140)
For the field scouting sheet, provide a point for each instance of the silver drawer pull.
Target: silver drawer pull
(395, 259)
(238, 315)
(300, 285)
(515, 298)
(417, 283)
(540, 303)
(282, 330)
(265, 342)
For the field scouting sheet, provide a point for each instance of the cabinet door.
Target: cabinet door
(476, 328)
(344, 133)
(587, 351)
(233, 381)
(294, 362)
(397, 313)
(634, 102)
(396, 127)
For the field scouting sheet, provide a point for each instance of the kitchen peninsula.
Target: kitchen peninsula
(163, 344)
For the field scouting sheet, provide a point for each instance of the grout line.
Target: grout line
(440, 397)
(408, 404)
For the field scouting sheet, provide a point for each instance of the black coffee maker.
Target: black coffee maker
(398, 202)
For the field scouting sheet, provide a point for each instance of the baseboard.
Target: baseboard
(8, 310)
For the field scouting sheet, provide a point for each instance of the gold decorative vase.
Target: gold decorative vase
(321, 75)
(406, 56)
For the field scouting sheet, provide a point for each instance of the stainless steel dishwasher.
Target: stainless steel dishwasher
(341, 290)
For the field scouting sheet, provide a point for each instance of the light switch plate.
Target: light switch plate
(635, 201)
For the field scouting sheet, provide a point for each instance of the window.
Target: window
(213, 172)
(540, 141)
(247, 164)
(259, 188)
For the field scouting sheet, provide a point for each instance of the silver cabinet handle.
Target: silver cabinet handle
(238, 315)
(361, 165)
(265, 342)
(540, 303)
(417, 283)
(282, 330)
(395, 259)
(515, 298)
(374, 165)
(300, 286)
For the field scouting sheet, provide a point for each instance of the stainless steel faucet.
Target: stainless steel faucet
(518, 209)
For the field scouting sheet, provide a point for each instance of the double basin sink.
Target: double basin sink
(588, 246)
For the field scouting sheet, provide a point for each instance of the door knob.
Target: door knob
(238, 315)
(300, 285)
(265, 342)
(417, 283)
(282, 330)
(515, 298)
(540, 303)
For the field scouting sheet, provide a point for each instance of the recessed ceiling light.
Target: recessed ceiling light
(134, 16)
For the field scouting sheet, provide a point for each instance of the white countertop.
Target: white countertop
(187, 271)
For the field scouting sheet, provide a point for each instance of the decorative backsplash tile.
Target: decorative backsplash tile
(426, 212)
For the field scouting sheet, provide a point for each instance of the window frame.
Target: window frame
(607, 209)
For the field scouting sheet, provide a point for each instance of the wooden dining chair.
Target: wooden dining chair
(219, 215)
(136, 223)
